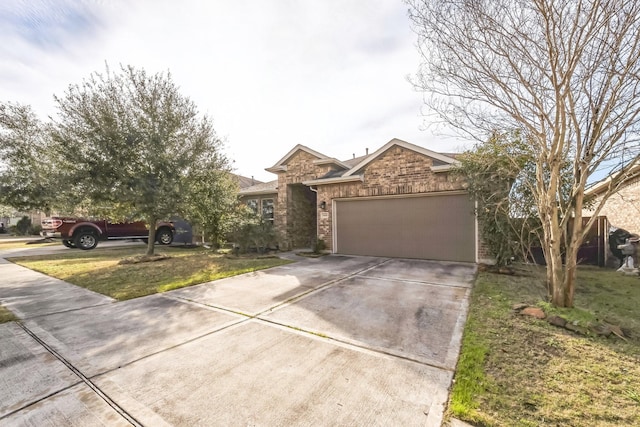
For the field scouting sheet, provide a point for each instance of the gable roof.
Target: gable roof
(331, 161)
(352, 162)
(270, 187)
(349, 169)
(446, 160)
(442, 163)
(244, 182)
(281, 164)
(603, 185)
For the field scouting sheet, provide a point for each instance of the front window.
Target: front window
(267, 209)
(253, 205)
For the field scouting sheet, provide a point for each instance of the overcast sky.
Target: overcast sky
(329, 74)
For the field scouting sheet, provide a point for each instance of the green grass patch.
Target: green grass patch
(519, 371)
(6, 315)
(470, 378)
(99, 271)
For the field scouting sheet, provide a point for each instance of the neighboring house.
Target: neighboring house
(35, 216)
(622, 209)
(244, 181)
(400, 201)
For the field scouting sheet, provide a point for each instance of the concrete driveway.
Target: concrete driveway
(331, 341)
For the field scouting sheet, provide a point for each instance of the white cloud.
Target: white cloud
(329, 74)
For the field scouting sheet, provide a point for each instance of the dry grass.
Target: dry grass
(519, 371)
(99, 270)
(6, 315)
(24, 245)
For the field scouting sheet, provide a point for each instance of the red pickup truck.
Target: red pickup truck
(85, 233)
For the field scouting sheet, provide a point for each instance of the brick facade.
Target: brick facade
(299, 168)
(622, 209)
(309, 180)
(402, 171)
(397, 171)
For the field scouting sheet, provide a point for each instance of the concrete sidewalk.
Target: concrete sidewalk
(28, 293)
(329, 341)
(35, 249)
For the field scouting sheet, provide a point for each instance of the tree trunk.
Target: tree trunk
(555, 273)
(152, 236)
(561, 276)
(575, 240)
(569, 282)
(554, 235)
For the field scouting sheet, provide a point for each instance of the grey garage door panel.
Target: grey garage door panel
(431, 227)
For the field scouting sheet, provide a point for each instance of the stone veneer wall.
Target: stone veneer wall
(300, 168)
(623, 208)
(397, 171)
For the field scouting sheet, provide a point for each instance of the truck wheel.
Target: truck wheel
(68, 243)
(86, 240)
(164, 236)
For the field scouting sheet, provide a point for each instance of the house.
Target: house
(244, 181)
(399, 201)
(622, 209)
(35, 216)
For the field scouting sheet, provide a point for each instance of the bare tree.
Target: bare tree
(565, 73)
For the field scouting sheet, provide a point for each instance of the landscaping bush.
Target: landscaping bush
(23, 225)
(320, 246)
(35, 230)
(250, 231)
(259, 236)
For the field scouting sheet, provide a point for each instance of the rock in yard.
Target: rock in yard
(557, 321)
(600, 329)
(533, 312)
(606, 329)
(520, 306)
(577, 329)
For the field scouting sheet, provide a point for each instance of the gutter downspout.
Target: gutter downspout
(317, 227)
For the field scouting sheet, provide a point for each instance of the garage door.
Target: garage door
(438, 227)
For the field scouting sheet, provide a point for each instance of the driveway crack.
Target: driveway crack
(123, 413)
(320, 288)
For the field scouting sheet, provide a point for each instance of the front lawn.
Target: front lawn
(99, 271)
(25, 244)
(519, 371)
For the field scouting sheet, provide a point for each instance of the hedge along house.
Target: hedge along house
(400, 201)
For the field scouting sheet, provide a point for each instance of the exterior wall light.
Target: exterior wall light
(323, 205)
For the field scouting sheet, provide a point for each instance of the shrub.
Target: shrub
(23, 225)
(319, 246)
(250, 231)
(259, 235)
(35, 230)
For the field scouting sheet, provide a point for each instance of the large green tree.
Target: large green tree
(135, 144)
(27, 160)
(212, 199)
(564, 72)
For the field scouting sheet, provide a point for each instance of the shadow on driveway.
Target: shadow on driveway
(334, 340)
